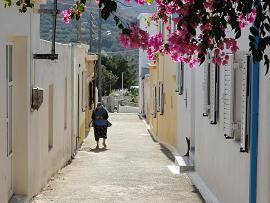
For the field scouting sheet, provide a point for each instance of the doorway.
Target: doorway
(187, 113)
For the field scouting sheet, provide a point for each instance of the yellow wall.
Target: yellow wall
(164, 126)
(153, 80)
(168, 120)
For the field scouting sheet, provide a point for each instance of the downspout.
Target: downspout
(254, 132)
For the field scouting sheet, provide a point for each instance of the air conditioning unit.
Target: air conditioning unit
(37, 98)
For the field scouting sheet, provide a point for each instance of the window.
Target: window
(245, 110)
(173, 24)
(206, 87)
(9, 97)
(50, 117)
(154, 99)
(214, 93)
(65, 106)
(161, 28)
(90, 94)
(84, 77)
(228, 98)
(236, 116)
(180, 78)
(161, 98)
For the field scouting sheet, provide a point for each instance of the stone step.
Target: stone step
(185, 163)
(18, 199)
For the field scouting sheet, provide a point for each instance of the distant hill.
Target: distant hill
(67, 33)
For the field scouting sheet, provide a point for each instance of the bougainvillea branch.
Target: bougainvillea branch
(201, 27)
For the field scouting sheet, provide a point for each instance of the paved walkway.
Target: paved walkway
(134, 168)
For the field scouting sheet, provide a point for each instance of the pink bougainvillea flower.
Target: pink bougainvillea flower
(67, 15)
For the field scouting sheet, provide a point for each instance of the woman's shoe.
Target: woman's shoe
(104, 145)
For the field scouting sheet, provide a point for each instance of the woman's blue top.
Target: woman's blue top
(100, 122)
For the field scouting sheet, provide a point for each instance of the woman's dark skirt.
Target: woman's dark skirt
(100, 132)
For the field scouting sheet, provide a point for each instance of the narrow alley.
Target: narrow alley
(133, 168)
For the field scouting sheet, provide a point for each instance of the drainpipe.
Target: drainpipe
(254, 132)
(254, 125)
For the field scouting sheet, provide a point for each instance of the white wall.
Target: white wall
(143, 60)
(43, 162)
(218, 161)
(263, 165)
(17, 29)
(78, 118)
(146, 96)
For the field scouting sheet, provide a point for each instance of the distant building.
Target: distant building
(143, 60)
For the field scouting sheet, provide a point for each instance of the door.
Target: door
(9, 123)
(187, 111)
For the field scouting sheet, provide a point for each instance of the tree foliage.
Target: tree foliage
(117, 65)
(212, 18)
(108, 80)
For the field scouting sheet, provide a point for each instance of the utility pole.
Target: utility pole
(99, 57)
(90, 33)
(79, 30)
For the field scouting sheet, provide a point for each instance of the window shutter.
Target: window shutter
(161, 99)
(181, 78)
(84, 98)
(172, 25)
(245, 104)
(214, 93)
(206, 88)
(228, 107)
(154, 105)
(177, 77)
(90, 95)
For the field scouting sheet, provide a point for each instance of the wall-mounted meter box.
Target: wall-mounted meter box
(37, 98)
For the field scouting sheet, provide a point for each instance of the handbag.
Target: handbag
(109, 124)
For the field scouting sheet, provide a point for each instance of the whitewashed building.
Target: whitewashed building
(35, 144)
(143, 60)
(217, 112)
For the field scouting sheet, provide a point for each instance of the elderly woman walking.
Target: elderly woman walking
(100, 123)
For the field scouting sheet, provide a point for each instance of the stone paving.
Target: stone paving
(133, 168)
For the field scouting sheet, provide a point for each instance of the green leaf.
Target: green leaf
(149, 1)
(191, 29)
(254, 31)
(238, 34)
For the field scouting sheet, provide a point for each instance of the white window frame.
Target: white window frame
(154, 99)
(65, 105)
(180, 78)
(245, 105)
(206, 87)
(9, 98)
(84, 78)
(228, 98)
(214, 94)
(161, 98)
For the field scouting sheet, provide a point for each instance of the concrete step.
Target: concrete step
(185, 163)
(18, 199)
